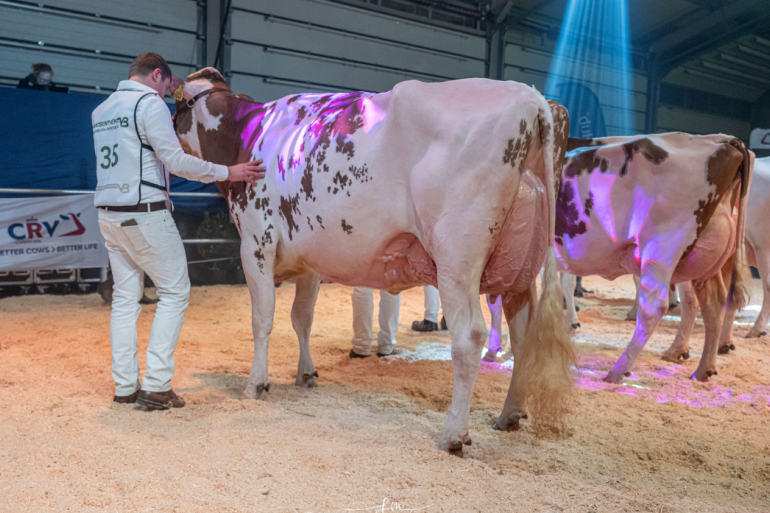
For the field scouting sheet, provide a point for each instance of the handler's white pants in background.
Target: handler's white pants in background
(432, 303)
(155, 247)
(363, 313)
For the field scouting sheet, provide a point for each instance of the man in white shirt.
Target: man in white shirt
(136, 148)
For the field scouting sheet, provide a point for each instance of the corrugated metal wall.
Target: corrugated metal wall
(281, 47)
(292, 46)
(89, 43)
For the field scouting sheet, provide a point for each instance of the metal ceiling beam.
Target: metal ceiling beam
(736, 73)
(753, 51)
(707, 4)
(718, 28)
(715, 21)
(744, 63)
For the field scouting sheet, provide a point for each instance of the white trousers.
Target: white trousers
(152, 245)
(363, 313)
(432, 303)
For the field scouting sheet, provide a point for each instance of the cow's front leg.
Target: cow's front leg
(689, 306)
(519, 309)
(469, 332)
(653, 304)
(568, 282)
(711, 296)
(258, 267)
(301, 320)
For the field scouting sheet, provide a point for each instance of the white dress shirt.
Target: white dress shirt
(156, 128)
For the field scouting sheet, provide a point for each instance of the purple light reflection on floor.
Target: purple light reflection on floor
(663, 389)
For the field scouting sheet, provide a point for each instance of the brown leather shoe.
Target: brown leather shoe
(126, 399)
(159, 400)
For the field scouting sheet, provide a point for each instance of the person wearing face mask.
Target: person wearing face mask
(136, 148)
(41, 79)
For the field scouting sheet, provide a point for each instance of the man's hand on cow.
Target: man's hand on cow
(247, 172)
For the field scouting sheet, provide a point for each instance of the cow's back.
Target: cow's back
(358, 182)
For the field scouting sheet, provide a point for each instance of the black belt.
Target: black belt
(141, 207)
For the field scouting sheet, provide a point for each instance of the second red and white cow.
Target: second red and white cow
(450, 184)
(658, 207)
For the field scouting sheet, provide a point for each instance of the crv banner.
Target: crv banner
(60, 232)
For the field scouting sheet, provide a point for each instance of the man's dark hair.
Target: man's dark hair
(41, 67)
(147, 63)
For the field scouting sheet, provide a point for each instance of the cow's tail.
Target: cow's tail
(543, 368)
(552, 180)
(738, 295)
(542, 375)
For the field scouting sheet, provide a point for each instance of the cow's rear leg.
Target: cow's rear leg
(305, 297)
(519, 309)
(460, 301)
(568, 282)
(689, 306)
(653, 304)
(763, 264)
(711, 296)
(631, 315)
(725, 344)
(259, 279)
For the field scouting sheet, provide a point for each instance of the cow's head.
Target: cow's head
(205, 119)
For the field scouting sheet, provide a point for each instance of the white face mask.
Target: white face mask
(44, 78)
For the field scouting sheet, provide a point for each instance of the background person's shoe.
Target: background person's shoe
(159, 400)
(394, 351)
(353, 354)
(424, 325)
(126, 399)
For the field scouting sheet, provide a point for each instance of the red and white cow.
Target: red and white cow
(658, 207)
(758, 252)
(450, 184)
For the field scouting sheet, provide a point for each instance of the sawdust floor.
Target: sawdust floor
(367, 434)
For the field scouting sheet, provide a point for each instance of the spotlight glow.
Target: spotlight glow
(594, 50)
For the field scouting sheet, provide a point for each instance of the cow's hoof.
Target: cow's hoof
(509, 423)
(674, 357)
(613, 377)
(256, 391)
(631, 317)
(490, 357)
(704, 376)
(575, 325)
(726, 349)
(308, 380)
(456, 449)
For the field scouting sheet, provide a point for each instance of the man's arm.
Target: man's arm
(159, 131)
